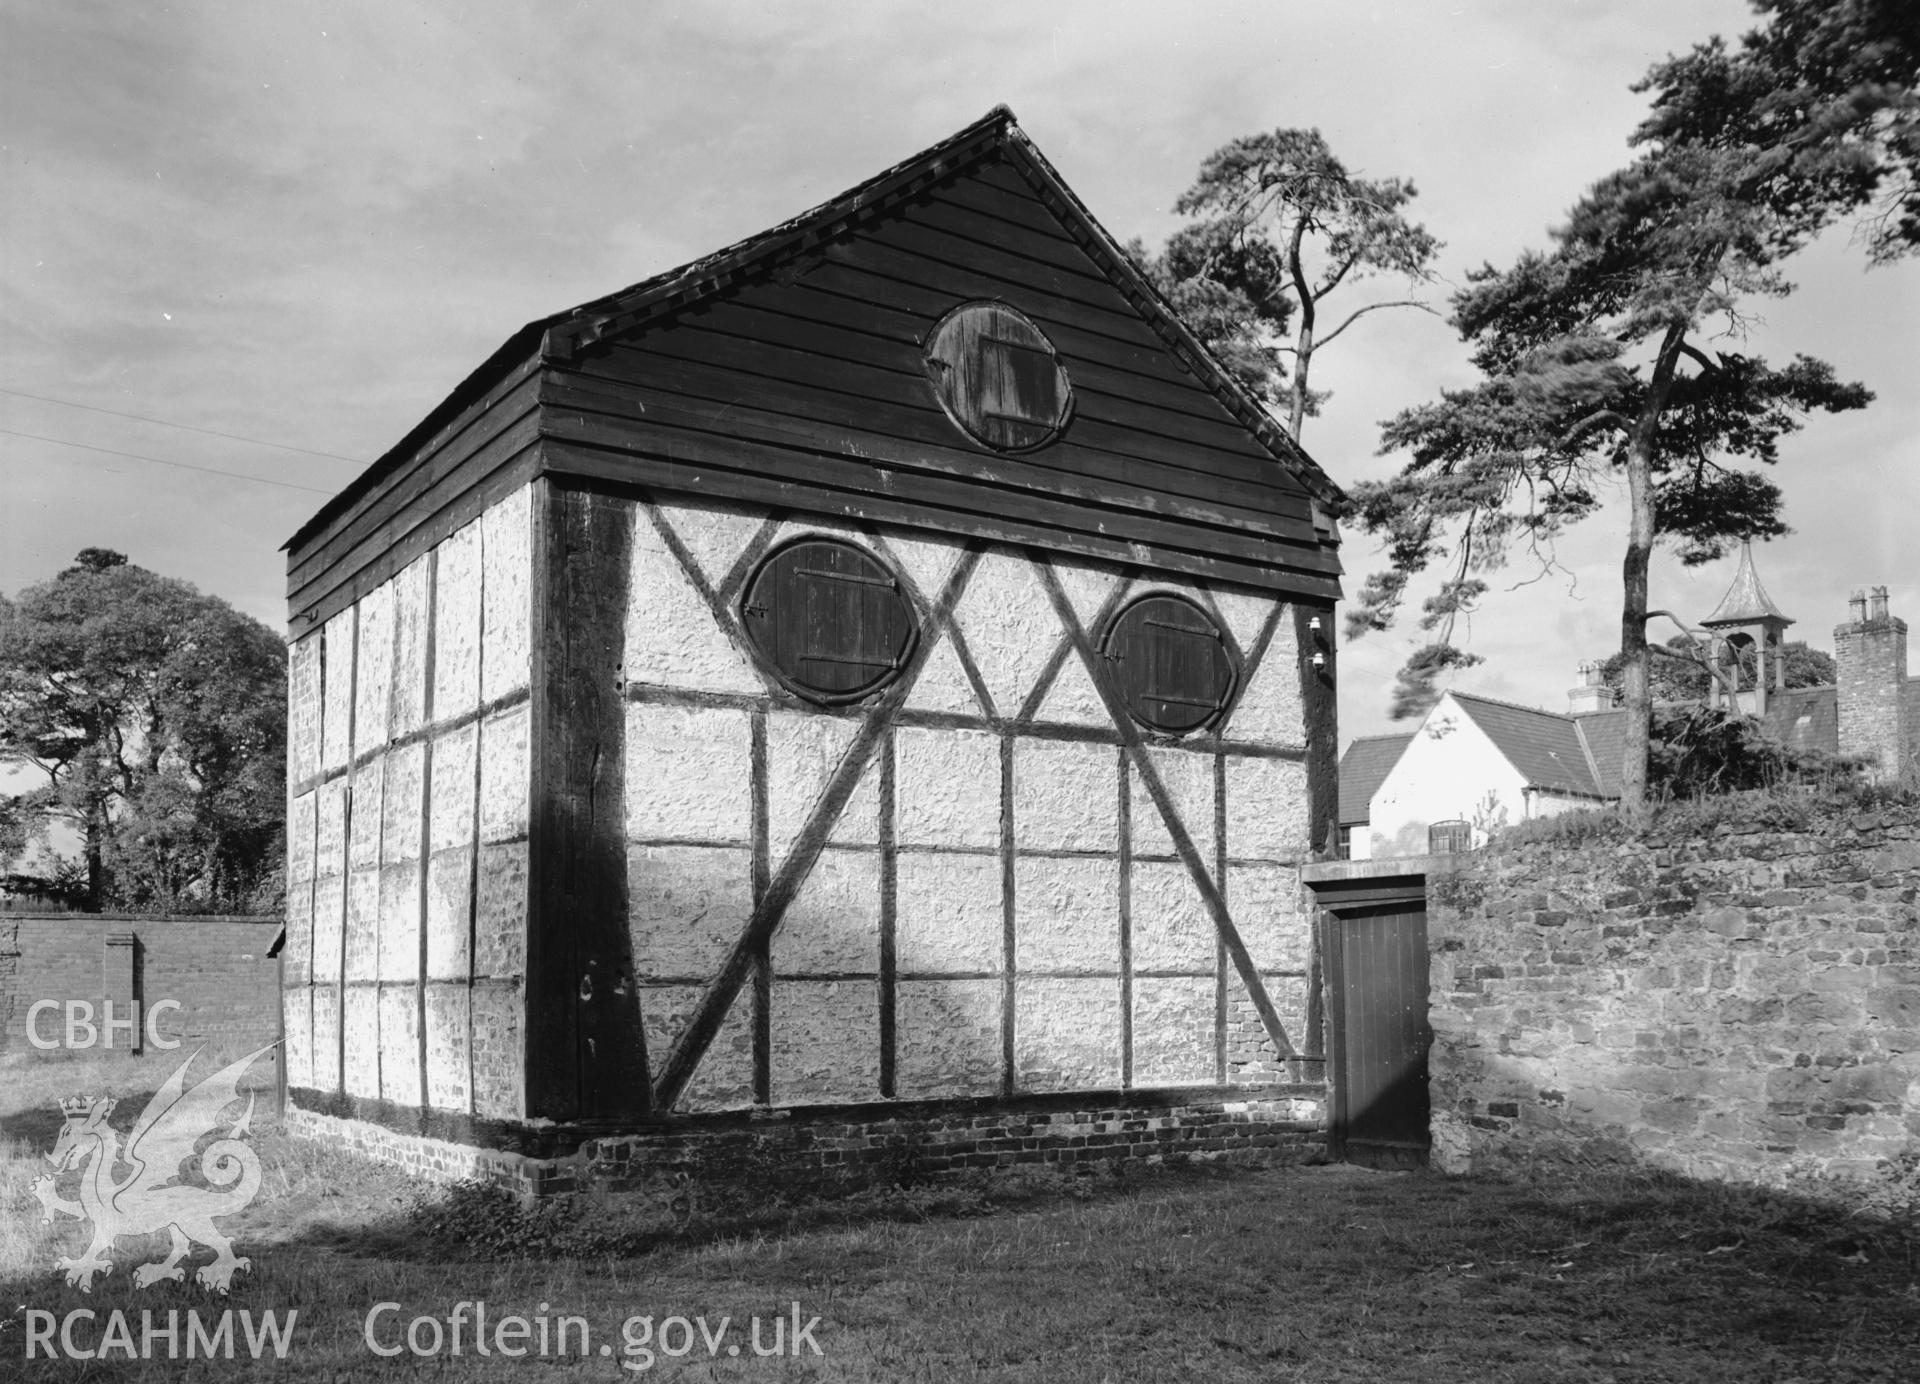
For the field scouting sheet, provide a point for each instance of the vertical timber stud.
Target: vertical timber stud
(1319, 708)
(889, 918)
(762, 961)
(586, 1056)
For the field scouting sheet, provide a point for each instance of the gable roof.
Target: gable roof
(564, 333)
(1550, 749)
(1363, 768)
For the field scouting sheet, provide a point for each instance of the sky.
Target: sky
(294, 227)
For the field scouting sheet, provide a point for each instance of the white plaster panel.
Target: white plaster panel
(296, 957)
(688, 773)
(948, 914)
(1266, 907)
(412, 617)
(1066, 795)
(330, 829)
(336, 692)
(449, 913)
(447, 1054)
(1171, 929)
(724, 1078)
(946, 1038)
(688, 906)
(326, 1038)
(832, 927)
(373, 676)
(452, 792)
(363, 925)
(1066, 915)
(1087, 590)
(1269, 710)
(402, 803)
(942, 684)
(329, 926)
(500, 912)
(948, 787)
(1266, 808)
(672, 637)
(400, 921)
(1173, 1031)
(499, 1052)
(825, 1041)
(1066, 1034)
(300, 838)
(1010, 627)
(303, 708)
(928, 562)
(297, 1022)
(1073, 699)
(1246, 615)
(399, 1046)
(360, 1031)
(456, 624)
(715, 535)
(364, 823)
(506, 547)
(1188, 777)
(505, 774)
(803, 752)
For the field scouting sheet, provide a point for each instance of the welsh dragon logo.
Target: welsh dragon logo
(151, 1196)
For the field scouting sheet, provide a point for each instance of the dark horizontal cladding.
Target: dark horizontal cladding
(673, 461)
(594, 410)
(549, 1140)
(485, 452)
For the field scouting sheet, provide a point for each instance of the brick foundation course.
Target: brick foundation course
(1745, 1006)
(849, 1146)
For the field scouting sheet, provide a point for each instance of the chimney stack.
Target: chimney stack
(1592, 694)
(1870, 658)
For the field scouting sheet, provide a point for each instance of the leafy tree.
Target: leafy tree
(157, 716)
(1280, 225)
(1594, 361)
(1676, 674)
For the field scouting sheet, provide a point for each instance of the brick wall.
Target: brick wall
(802, 1149)
(217, 970)
(1745, 1006)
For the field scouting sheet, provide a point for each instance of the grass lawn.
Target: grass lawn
(1322, 1274)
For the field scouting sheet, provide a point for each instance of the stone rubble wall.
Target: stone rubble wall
(1745, 1006)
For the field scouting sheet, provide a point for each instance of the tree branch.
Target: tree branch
(1371, 307)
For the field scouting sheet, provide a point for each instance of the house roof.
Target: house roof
(1805, 718)
(1552, 750)
(1363, 768)
(566, 332)
(1746, 601)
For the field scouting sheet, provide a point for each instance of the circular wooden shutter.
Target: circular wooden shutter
(998, 377)
(1171, 662)
(829, 619)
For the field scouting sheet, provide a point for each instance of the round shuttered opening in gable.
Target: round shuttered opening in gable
(998, 377)
(829, 619)
(1171, 663)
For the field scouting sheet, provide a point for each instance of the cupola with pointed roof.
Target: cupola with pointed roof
(1747, 618)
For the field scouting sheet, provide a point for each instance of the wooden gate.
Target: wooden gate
(1374, 945)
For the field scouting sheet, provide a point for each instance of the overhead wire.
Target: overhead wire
(162, 461)
(184, 427)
